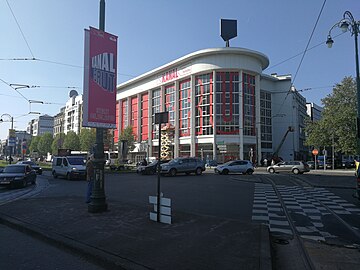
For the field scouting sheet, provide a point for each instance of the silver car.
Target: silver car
(295, 167)
(235, 166)
(183, 165)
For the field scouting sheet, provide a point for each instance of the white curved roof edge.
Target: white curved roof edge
(227, 50)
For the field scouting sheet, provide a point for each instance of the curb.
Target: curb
(93, 254)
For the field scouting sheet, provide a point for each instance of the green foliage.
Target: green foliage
(58, 143)
(338, 122)
(128, 135)
(72, 141)
(44, 144)
(34, 144)
(87, 139)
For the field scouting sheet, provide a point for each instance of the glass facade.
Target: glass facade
(249, 104)
(204, 104)
(227, 103)
(184, 108)
(156, 108)
(265, 119)
(170, 103)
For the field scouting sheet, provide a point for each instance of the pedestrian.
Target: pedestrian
(90, 177)
(144, 163)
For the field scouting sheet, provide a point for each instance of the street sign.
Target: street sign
(12, 141)
(315, 152)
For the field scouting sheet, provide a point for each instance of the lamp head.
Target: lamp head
(344, 26)
(329, 41)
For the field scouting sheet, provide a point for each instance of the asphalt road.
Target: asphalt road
(22, 252)
(321, 206)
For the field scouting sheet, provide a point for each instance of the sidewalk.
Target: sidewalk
(125, 238)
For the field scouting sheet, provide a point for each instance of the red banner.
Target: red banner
(100, 71)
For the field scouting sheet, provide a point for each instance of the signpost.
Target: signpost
(315, 152)
(160, 118)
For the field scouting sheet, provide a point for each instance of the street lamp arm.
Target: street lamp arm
(350, 23)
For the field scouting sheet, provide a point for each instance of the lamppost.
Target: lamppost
(348, 23)
(10, 143)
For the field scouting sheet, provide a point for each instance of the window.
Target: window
(156, 107)
(184, 108)
(227, 103)
(170, 103)
(249, 104)
(203, 104)
(265, 119)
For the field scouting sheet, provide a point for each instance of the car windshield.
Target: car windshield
(228, 163)
(76, 161)
(153, 162)
(174, 161)
(14, 169)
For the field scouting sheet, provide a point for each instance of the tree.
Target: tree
(44, 145)
(338, 122)
(128, 135)
(58, 143)
(34, 144)
(87, 139)
(72, 141)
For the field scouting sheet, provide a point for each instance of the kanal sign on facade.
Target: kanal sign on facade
(100, 71)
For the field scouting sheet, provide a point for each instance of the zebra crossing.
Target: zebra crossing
(307, 207)
(29, 191)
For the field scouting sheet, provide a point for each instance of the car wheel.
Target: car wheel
(54, 174)
(68, 176)
(296, 171)
(172, 172)
(249, 172)
(225, 171)
(198, 171)
(24, 183)
(271, 170)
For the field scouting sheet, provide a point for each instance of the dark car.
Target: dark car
(33, 165)
(17, 175)
(150, 168)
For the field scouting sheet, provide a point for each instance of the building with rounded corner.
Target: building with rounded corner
(221, 106)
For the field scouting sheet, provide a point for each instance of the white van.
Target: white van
(111, 157)
(69, 166)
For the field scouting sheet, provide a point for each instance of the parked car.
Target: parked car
(17, 175)
(183, 165)
(235, 166)
(69, 167)
(150, 168)
(295, 167)
(33, 165)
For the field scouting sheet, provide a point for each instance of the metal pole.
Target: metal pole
(98, 199)
(158, 176)
(12, 127)
(356, 32)
(333, 153)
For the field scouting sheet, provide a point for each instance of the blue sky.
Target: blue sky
(153, 33)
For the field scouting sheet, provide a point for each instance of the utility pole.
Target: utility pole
(98, 199)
